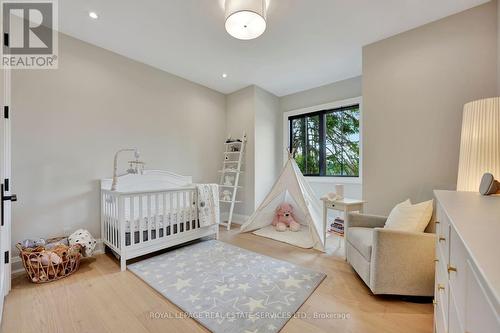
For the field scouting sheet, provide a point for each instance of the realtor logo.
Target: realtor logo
(29, 33)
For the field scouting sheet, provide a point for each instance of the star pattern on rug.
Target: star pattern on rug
(255, 304)
(220, 307)
(221, 289)
(180, 284)
(277, 295)
(212, 277)
(292, 282)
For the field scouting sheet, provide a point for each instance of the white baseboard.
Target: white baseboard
(17, 265)
(237, 218)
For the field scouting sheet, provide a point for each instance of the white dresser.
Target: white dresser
(467, 290)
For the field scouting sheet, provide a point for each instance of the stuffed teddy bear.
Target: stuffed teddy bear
(84, 238)
(284, 219)
(226, 195)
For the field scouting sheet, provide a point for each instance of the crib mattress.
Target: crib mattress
(171, 229)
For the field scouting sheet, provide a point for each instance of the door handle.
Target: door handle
(12, 198)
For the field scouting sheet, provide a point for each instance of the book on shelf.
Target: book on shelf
(337, 226)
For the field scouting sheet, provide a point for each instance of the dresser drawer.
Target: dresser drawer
(454, 322)
(442, 233)
(457, 269)
(441, 289)
(480, 315)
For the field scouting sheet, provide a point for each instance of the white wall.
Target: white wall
(321, 95)
(414, 87)
(256, 112)
(268, 142)
(67, 124)
(240, 118)
(337, 91)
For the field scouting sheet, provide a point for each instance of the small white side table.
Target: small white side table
(345, 205)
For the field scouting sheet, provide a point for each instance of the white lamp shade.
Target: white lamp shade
(245, 19)
(480, 143)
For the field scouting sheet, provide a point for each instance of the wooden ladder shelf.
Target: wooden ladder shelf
(230, 174)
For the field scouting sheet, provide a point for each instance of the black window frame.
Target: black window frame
(322, 134)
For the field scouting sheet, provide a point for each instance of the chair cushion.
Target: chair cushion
(361, 239)
(408, 217)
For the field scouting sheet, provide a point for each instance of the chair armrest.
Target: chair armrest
(402, 262)
(365, 220)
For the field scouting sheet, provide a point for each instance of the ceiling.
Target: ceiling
(308, 43)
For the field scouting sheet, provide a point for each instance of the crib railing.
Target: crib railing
(132, 219)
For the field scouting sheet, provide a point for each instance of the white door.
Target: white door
(6, 196)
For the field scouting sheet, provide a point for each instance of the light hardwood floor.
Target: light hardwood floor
(99, 298)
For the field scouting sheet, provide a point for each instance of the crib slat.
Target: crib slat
(185, 216)
(120, 224)
(157, 215)
(170, 212)
(117, 211)
(141, 210)
(177, 217)
(165, 214)
(148, 224)
(132, 221)
(113, 219)
(191, 213)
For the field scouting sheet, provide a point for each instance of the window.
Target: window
(326, 143)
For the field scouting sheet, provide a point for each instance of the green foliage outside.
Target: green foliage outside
(341, 143)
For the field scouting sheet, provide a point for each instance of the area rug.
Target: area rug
(228, 289)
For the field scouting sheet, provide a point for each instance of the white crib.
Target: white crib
(150, 212)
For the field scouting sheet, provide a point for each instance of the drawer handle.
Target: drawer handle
(451, 269)
(442, 238)
(437, 222)
(440, 287)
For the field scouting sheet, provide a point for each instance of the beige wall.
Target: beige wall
(414, 87)
(321, 95)
(256, 112)
(240, 107)
(67, 124)
(268, 142)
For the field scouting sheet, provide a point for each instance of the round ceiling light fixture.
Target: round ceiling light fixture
(245, 19)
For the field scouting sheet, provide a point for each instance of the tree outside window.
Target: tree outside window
(326, 143)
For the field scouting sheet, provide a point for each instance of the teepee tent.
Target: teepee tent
(293, 188)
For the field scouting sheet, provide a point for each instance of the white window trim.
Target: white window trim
(332, 105)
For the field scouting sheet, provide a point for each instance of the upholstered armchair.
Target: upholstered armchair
(390, 261)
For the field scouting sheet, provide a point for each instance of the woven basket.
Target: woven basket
(40, 273)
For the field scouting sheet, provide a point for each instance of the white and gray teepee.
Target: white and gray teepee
(291, 187)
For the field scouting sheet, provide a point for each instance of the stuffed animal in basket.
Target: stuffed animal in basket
(284, 219)
(83, 238)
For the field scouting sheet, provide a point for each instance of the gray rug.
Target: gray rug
(229, 289)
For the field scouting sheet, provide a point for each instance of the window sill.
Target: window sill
(335, 180)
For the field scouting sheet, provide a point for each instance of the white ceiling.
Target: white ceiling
(308, 43)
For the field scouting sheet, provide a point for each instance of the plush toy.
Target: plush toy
(32, 243)
(49, 256)
(226, 195)
(84, 238)
(284, 219)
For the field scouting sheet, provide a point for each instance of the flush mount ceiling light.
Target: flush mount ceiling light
(93, 15)
(245, 19)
